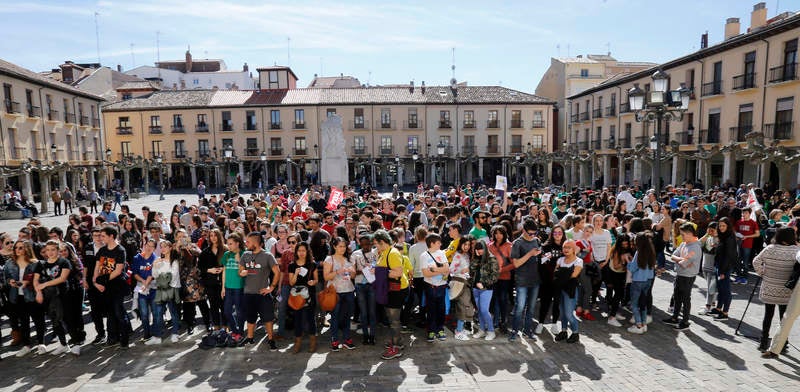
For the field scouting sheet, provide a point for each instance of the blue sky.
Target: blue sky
(496, 42)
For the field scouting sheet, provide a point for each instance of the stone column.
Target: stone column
(44, 179)
(480, 167)
(675, 178)
(548, 170)
(637, 171)
(785, 173)
(193, 174)
(76, 180)
(90, 178)
(146, 172)
(126, 179)
(527, 179)
(606, 170)
(572, 180)
(727, 167)
(62, 179)
(25, 185)
(241, 174)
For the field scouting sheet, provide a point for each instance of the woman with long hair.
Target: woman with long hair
(284, 245)
(461, 306)
(192, 293)
(166, 275)
(614, 273)
(74, 295)
(642, 270)
(483, 273)
(500, 248)
(302, 274)
(724, 259)
(339, 271)
(22, 296)
(210, 265)
(548, 293)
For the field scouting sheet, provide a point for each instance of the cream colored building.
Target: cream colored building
(568, 76)
(747, 83)
(51, 134)
(481, 129)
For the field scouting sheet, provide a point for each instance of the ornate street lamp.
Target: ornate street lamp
(289, 170)
(227, 152)
(159, 160)
(415, 158)
(54, 151)
(397, 165)
(440, 155)
(655, 106)
(263, 158)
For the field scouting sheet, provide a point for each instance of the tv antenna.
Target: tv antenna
(97, 35)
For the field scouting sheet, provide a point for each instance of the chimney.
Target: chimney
(188, 61)
(423, 87)
(758, 18)
(245, 68)
(704, 40)
(119, 68)
(731, 28)
(411, 87)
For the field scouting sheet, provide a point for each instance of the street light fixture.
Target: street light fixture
(159, 159)
(655, 106)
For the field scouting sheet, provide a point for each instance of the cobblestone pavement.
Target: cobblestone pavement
(708, 357)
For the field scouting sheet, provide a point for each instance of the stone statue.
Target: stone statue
(333, 157)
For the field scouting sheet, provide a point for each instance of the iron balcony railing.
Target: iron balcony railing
(124, 131)
(779, 131)
(276, 151)
(492, 149)
(611, 111)
(388, 124)
(250, 126)
(597, 113)
(709, 136)
(11, 106)
(226, 126)
(517, 124)
(444, 124)
(469, 124)
(744, 81)
(468, 150)
(387, 150)
(492, 124)
(711, 88)
(359, 123)
(272, 125)
(203, 154)
(178, 129)
(298, 124)
(537, 124)
(201, 128)
(585, 116)
(34, 111)
(783, 73)
(516, 149)
(179, 154)
(410, 124)
(737, 134)
(155, 129)
(359, 150)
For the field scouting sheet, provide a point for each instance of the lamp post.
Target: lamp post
(159, 160)
(399, 175)
(656, 161)
(655, 106)
(518, 159)
(289, 170)
(227, 152)
(440, 155)
(263, 158)
(414, 158)
(316, 165)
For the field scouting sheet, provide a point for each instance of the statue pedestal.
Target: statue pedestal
(333, 157)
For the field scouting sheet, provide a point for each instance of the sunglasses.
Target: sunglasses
(292, 242)
(8, 242)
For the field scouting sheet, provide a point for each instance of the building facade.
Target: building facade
(743, 103)
(51, 134)
(195, 74)
(393, 135)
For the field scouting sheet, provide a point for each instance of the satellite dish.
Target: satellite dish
(453, 83)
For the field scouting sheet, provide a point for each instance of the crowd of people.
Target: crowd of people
(481, 262)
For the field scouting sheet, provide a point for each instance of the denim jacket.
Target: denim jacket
(12, 273)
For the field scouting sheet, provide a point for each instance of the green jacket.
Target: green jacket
(486, 272)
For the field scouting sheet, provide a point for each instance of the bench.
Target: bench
(5, 214)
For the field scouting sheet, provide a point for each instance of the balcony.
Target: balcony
(69, 118)
(388, 124)
(412, 149)
(95, 123)
(179, 154)
(645, 140)
(272, 125)
(387, 150)
(611, 111)
(298, 125)
(517, 124)
(573, 118)
(492, 149)
(84, 120)
(737, 134)
(537, 124)
(711, 88)
(88, 156)
(156, 154)
(444, 124)
(124, 131)
(779, 131)
(610, 143)
(52, 115)
(783, 73)
(34, 111)
(124, 155)
(410, 124)
(155, 130)
(357, 124)
(624, 108)
(516, 149)
(709, 136)
(492, 124)
(18, 152)
(583, 146)
(276, 151)
(359, 151)
(469, 124)
(596, 144)
(597, 113)
(584, 116)
(744, 81)
(178, 129)
(201, 128)
(300, 151)
(624, 142)
(251, 152)
(226, 126)
(11, 106)
(684, 138)
(203, 154)
(536, 148)
(468, 150)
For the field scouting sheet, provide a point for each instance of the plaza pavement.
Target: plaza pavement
(708, 357)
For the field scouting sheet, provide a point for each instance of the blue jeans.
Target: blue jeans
(146, 306)
(744, 258)
(159, 310)
(724, 296)
(661, 260)
(366, 303)
(482, 300)
(525, 296)
(434, 301)
(500, 300)
(232, 308)
(639, 292)
(567, 309)
(340, 317)
(283, 307)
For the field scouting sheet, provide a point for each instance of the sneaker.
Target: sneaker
(649, 319)
(441, 336)
(335, 346)
(561, 336)
(75, 350)
(348, 344)
(670, 310)
(153, 341)
(554, 329)
(491, 335)
(632, 320)
(111, 344)
(704, 311)
(60, 349)
(479, 334)
(99, 339)
(126, 346)
(614, 322)
(174, 338)
(23, 351)
(461, 336)
(670, 321)
(272, 345)
(769, 355)
(682, 326)
(399, 345)
(636, 329)
(391, 353)
(512, 336)
(529, 335)
(573, 338)
(721, 317)
(247, 341)
(539, 328)
(431, 337)
(588, 316)
(41, 349)
(713, 312)
(620, 317)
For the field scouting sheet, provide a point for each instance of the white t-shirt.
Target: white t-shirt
(563, 263)
(574, 235)
(426, 261)
(601, 240)
(459, 265)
